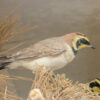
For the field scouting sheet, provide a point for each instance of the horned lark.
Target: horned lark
(95, 85)
(52, 53)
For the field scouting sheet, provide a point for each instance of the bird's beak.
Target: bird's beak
(91, 46)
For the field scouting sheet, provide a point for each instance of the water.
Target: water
(55, 18)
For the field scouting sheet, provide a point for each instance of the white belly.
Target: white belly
(54, 62)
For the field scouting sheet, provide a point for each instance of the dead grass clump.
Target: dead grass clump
(58, 87)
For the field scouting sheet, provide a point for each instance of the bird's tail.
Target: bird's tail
(4, 61)
(3, 65)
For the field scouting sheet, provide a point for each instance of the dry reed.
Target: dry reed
(58, 87)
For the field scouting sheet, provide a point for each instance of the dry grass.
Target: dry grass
(52, 86)
(58, 87)
(5, 93)
(6, 88)
(9, 29)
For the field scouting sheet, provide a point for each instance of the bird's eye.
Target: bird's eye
(84, 41)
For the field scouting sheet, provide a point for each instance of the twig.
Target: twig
(5, 97)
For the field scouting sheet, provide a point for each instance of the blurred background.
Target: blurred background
(55, 18)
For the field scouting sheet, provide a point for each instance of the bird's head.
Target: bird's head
(78, 41)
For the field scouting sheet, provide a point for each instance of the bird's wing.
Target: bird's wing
(48, 47)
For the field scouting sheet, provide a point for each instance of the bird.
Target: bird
(52, 53)
(95, 85)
